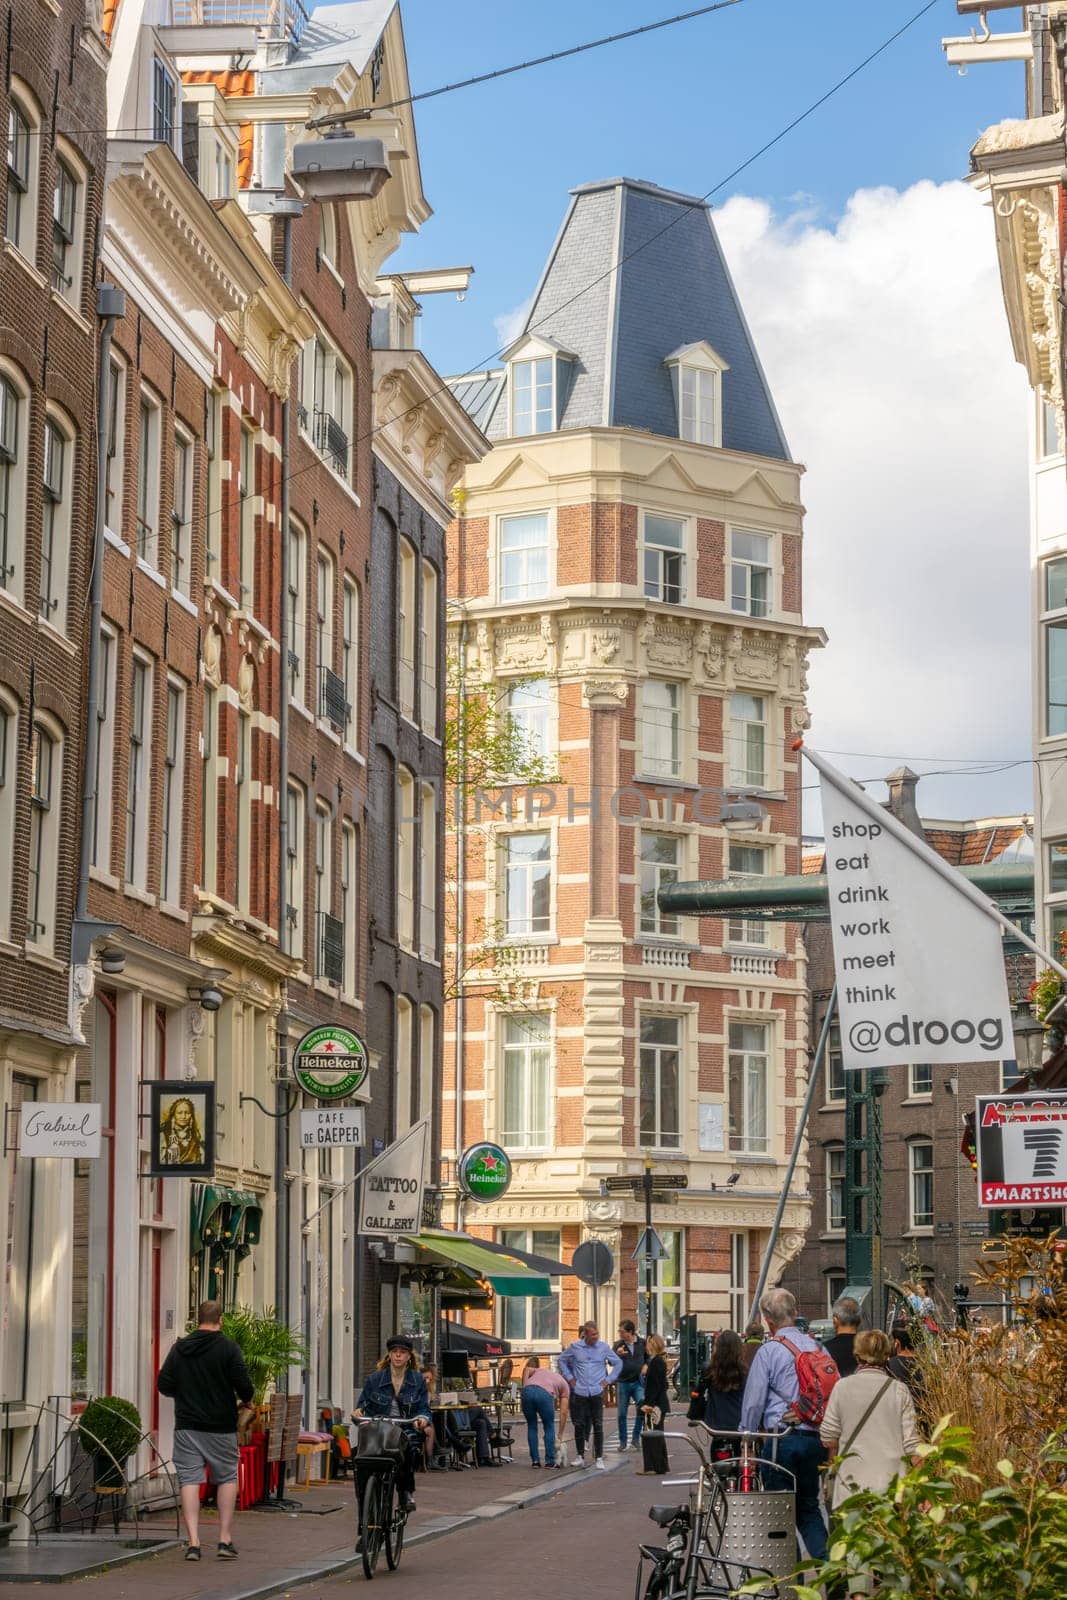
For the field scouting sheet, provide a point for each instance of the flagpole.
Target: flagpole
(919, 847)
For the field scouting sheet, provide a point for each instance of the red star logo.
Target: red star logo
(489, 1163)
(329, 1047)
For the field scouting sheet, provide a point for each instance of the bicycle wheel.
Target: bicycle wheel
(370, 1524)
(394, 1520)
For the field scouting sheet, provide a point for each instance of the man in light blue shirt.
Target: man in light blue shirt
(770, 1390)
(589, 1365)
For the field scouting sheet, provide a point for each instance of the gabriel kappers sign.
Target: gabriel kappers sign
(918, 952)
(390, 1189)
(1021, 1141)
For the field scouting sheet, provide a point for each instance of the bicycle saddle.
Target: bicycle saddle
(663, 1516)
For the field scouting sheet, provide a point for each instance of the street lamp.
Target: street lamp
(739, 813)
(1029, 1038)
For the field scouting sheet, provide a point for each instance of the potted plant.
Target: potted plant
(268, 1345)
(110, 1431)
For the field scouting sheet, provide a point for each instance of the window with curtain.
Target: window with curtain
(748, 1066)
(407, 634)
(428, 651)
(750, 572)
(524, 556)
(138, 773)
(659, 1088)
(661, 729)
(405, 858)
(529, 705)
(45, 791)
(526, 1074)
(835, 1188)
(527, 884)
(748, 741)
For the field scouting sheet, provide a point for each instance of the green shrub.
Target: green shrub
(111, 1428)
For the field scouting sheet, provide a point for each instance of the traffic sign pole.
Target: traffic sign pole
(650, 1260)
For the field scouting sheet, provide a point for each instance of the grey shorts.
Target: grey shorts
(193, 1451)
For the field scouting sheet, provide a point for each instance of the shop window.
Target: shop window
(667, 1291)
(534, 1320)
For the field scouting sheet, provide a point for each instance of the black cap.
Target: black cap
(400, 1341)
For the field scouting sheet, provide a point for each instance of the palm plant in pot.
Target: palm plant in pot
(110, 1431)
(269, 1346)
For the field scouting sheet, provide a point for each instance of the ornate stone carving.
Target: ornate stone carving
(758, 661)
(603, 694)
(603, 952)
(518, 646)
(605, 645)
(435, 444)
(410, 422)
(709, 649)
(212, 657)
(669, 646)
(548, 634)
(194, 1032)
(246, 680)
(603, 1211)
(82, 986)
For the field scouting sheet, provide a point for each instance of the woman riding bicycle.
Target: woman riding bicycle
(396, 1388)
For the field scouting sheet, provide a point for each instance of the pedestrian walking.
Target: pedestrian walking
(870, 1424)
(905, 1365)
(206, 1377)
(656, 1407)
(589, 1365)
(723, 1391)
(541, 1388)
(630, 1348)
(847, 1318)
(751, 1343)
(774, 1400)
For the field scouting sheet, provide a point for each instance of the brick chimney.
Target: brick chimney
(902, 785)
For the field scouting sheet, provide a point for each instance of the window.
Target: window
(428, 652)
(739, 1281)
(1048, 427)
(921, 1184)
(350, 662)
(323, 881)
(55, 524)
(9, 745)
(20, 1275)
(328, 234)
(533, 396)
(350, 904)
(12, 484)
(427, 1035)
(45, 765)
(527, 884)
(209, 800)
(105, 753)
(138, 774)
(746, 861)
(297, 603)
(697, 419)
(21, 220)
(836, 1284)
(326, 404)
(1056, 647)
(181, 515)
(835, 1066)
(243, 780)
(524, 557)
(659, 866)
(294, 869)
(323, 610)
(1057, 867)
(534, 1320)
(529, 706)
(920, 1080)
(748, 741)
(406, 605)
(148, 481)
(170, 889)
(660, 1088)
(246, 488)
(665, 559)
(224, 173)
(526, 1085)
(835, 1188)
(116, 443)
(749, 1069)
(667, 1286)
(750, 573)
(428, 872)
(661, 729)
(405, 858)
(213, 406)
(404, 1044)
(164, 102)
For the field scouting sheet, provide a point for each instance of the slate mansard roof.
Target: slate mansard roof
(637, 272)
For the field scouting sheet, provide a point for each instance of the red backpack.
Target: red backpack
(816, 1375)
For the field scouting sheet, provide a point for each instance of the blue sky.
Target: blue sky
(681, 107)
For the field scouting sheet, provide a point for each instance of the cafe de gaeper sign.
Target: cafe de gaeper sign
(330, 1063)
(485, 1172)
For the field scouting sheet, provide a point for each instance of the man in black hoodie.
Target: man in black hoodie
(205, 1375)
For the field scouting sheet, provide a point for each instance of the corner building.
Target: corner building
(626, 567)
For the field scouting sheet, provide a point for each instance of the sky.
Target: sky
(868, 275)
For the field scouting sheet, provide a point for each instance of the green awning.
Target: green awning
(216, 1215)
(506, 1274)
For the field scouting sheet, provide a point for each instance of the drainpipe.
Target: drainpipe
(461, 899)
(282, 1286)
(110, 306)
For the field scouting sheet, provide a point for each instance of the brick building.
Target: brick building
(627, 570)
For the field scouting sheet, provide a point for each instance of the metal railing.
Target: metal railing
(330, 948)
(332, 440)
(332, 703)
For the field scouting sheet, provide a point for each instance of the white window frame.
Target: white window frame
(834, 1080)
(427, 1043)
(165, 102)
(428, 872)
(407, 568)
(215, 403)
(405, 1041)
(739, 1282)
(327, 395)
(350, 662)
(209, 798)
(748, 932)
(652, 1054)
(149, 445)
(68, 231)
(834, 1155)
(539, 416)
(115, 471)
(522, 1318)
(652, 874)
(746, 1142)
(405, 858)
(296, 600)
(920, 1219)
(295, 849)
(59, 467)
(323, 865)
(742, 774)
(668, 1299)
(248, 507)
(9, 770)
(920, 1081)
(696, 372)
(328, 235)
(350, 905)
(660, 580)
(661, 725)
(428, 630)
(242, 777)
(744, 570)
(522, 1035)
(23, 177)
(325, 590)
(45, 817)
(530, 706)
(522, 582)
(1047, 427)
(181, 513)
(14, 428)
(104, 776)
(139, 770)
(519, 880)
(1053, 624)
(172, 839)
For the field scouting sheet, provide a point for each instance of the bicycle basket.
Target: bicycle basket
(380, 1436)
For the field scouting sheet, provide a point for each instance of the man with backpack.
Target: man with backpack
(789, 1384)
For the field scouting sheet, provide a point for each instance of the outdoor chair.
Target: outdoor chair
(461, 1439)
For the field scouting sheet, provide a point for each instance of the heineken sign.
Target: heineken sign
(330, 1063)
(485, 1172)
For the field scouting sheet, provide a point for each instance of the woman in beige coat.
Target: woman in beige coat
(870, 1422)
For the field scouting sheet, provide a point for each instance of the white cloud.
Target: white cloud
(886, 346)
(509, 324)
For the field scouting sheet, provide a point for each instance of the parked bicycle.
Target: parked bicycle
(380, 1448)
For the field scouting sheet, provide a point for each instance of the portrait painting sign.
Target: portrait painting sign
(182, 1123)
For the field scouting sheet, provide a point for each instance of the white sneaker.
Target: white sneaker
(579, 1461)
(601, 1464)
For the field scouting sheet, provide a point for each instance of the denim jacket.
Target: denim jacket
(376, 1396)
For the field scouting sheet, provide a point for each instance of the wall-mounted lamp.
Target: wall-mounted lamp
(207, 995)
(112, 960)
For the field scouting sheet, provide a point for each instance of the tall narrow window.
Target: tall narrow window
(428, 872)
(749, 1073)
(326, 401)
(350, 662)
(294, 869)
(698, 405)
(55, 525)
(297, 603)
(24, 1265)
(138, 774)
(748, 741)
(243, 780)
(661, 729)
(45, 780)
(323, 611)
(738, 1281)
(533, 396)
(350, 905)
(747, 861)
(323, 882)
(660, 1085)
(665, 559)
(750, 572)
(164, 102)
(19, 226)
(526, 1082)
(1055, 631)
(181, 514)
(835, 1188)
(12, 493)
(214, 403)
(920, 1080)
(9, 744)
(527, 884)
(116, 445)
(835, 1067)
(921, 1184)
(209, 798)
(530, 710)
(103, 776)
(659, 867)
(524, 557)
(406, 591)
(533, 1319)
(170, 889)
(425, 1098)
(148, 481)
(405, 858)
(66, 209)
(246, 486)
(666, 1309)
(404, 1042)
(428, 652)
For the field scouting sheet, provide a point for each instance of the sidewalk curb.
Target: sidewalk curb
(297, 1577)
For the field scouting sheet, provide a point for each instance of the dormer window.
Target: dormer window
(696, 377)
(537, 384)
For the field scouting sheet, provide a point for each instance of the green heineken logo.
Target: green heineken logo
(330, 1063)
(485, 1172)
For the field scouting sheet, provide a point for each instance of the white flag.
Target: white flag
(390, 1190)
(918, 951)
